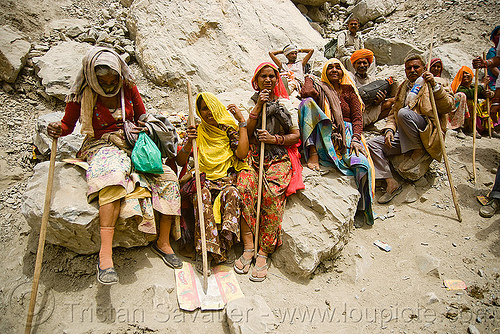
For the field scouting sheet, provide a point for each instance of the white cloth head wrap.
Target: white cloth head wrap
(289, 48)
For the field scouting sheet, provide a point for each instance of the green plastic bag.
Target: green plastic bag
(146, 156)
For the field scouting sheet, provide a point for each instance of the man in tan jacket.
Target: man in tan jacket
(410, 127)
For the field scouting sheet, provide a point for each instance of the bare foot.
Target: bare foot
(392, 185)
(313, 162)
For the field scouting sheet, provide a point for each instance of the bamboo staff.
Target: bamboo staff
(201, 218)
(474, 128)
(259, 191)
(41, 240)
(441, 139)
(490, 123)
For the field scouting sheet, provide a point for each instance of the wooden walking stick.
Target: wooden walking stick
(198, 195)
(490, 123)
(474, 128)
(259, 189)
(437, 124)
(41, 239)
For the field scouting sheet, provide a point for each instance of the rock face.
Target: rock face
(14, 51)
(317, 222)
(70, 27)
(67, 146)
(368, 10)
(311, 2)
(249, 315)
(215, 45)
(73, 223)
(59, 67)
(390, 51)
(453, 58)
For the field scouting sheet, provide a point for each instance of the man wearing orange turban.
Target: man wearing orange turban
(362, 60)
(362, 53)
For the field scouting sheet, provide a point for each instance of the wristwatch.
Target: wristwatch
(242, 124)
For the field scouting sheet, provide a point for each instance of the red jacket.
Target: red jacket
(102, 120)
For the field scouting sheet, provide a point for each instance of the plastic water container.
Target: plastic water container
(412, 95)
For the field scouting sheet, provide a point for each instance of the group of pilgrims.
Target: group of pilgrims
(309, 120)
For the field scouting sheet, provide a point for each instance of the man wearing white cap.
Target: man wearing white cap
(294, 69)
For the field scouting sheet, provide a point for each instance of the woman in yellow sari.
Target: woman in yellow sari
(223, 145)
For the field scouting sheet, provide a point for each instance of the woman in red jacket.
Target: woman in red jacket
(103, 94)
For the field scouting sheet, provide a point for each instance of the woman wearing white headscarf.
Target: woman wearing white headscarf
(103, 92)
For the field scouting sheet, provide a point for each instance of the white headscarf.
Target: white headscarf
(86, 88)
(289, 48)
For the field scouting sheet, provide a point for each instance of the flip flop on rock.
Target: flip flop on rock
(387, 197)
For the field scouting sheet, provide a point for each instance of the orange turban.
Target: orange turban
(457, 81)
(362, 53)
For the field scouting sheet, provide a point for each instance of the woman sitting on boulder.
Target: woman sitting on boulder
(223, 145)
(282, 173)
(331, 123)
(460, 119)
(104, 90)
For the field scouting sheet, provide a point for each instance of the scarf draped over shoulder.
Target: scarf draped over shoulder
(215, 154)
(86, 88)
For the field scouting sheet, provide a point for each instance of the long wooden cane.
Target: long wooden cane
(259, 190)
(437, 124)
(201, 218)
(474, 128)
(490, 123)
(41, 239)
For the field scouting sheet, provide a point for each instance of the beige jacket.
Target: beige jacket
(444, 104)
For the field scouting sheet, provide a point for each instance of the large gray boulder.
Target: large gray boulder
(453, 58)
(67, 146)
(390, 51)
(73, 223)
(317, 222)
(14, 49)
(249, 315)
(368, 10)
(59, 66)
(215, 45)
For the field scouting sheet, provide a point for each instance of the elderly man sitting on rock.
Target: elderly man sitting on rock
(378, 105)
(410, 126)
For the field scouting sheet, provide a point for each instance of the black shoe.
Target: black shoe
(170, 260)
(107, 276)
